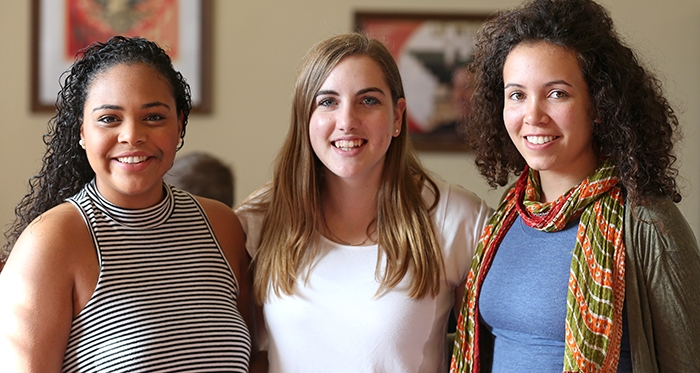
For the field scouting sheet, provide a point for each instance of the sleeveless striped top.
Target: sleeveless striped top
(165, 298)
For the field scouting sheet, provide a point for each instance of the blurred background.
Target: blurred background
(256, 50)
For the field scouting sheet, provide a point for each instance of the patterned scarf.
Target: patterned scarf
(596, 279)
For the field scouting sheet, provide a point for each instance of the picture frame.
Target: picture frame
(430, 49)
(60, 28)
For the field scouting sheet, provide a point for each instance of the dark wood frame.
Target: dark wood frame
(431, 142)
(203, 106)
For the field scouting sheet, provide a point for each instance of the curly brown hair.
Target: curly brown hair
(637, 126)
(65, 168)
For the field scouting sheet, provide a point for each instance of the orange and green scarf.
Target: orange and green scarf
(596, 279)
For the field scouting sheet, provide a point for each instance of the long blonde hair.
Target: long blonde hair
(291, 201)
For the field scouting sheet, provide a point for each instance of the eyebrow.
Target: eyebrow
(362, 91)
(144, 106)
(553, 82)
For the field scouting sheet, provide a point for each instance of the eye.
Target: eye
(107, 119)
(516, 96)
(326, 102)
(155, 117)
(558, 94)
(370, 101)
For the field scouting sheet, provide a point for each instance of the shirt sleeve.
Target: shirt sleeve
(251, 221)
(664, 288)
(460, 217)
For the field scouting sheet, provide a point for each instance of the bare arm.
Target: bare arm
(39, 293)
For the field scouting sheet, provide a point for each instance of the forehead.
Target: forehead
(532, 59)
(124, 80)
(356, 68)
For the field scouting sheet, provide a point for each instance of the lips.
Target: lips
(132, 160)
(347, 145)
(539, 140)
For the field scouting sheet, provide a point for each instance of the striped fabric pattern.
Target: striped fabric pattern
(165, 299)
(597, 278)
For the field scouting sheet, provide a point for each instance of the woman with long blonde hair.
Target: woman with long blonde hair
(357, 250)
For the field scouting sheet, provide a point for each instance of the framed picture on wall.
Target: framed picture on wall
(432, 51)
(61, 28)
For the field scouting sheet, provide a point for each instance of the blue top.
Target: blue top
(523, 300)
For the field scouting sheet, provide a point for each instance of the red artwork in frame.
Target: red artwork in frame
(60, 28)
(90, 21)
(432, 51)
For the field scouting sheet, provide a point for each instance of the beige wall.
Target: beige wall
(257, 48)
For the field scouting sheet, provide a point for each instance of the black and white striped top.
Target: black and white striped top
(165, 299)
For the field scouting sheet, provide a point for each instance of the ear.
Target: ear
(399, 112)
(180, 121)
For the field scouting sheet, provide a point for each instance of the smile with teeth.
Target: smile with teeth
(348, 144)
(132, 160)
(539, 140)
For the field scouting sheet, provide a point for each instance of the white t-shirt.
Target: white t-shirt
(336, 322)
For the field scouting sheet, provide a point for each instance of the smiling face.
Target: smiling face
(547, 113)
(354, 119)
(130, 129)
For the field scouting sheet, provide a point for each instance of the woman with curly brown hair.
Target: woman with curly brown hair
(587, 264)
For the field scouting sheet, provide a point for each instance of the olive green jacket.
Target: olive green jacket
(662, 289)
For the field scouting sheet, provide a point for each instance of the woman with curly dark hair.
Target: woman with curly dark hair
(111, 269)
(587, 264)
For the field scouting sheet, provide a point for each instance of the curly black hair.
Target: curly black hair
(636, 126)
(65, 168)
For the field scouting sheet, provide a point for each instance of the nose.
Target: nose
(348, 119)
(535, 114)
(132, 132)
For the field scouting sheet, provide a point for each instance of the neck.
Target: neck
(555, 184)
(143, 200)
(349, 212)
